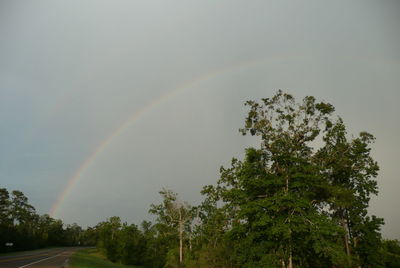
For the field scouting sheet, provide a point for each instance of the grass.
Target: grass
(90, 258)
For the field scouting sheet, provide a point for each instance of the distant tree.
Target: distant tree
(175, 214)
(43, 229)
(89, 237)
(73, 234)
(6, 224)
(158, 239)
(23, 217)
(5, 213)
(21, 210)
(132, 245)
(214, 248)
(109, 239)
(56, 233)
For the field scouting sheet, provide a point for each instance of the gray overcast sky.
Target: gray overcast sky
(72, 72)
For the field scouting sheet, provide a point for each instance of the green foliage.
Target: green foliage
(290, 203)
(157, 242)
(132, 245)
(21, 225)
(391, 253)
(369, 244)
(89, 258)
(350, 171)
(127, 244)
(109, 238)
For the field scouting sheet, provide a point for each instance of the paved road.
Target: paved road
(53, 258)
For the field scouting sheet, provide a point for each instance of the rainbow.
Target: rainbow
(72, 181)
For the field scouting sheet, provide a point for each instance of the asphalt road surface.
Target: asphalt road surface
(50, 258)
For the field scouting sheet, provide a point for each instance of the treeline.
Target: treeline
(299, 200)
(25, 229)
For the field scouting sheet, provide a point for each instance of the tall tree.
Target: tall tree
(4, 207)
(275, 195)
(22, 211)
(351, 171)
(175, 214)
(5, 219)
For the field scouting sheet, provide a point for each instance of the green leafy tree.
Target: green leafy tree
(6, 224)
(158, 240)
(276, 194)
(21, 211)
(89, 236)
(212, 247)
(73, 234)
(5, 213)
(23, 216)
(351, 171)
(132, 245)
(56, 232)
(43, 229)
(109, 240)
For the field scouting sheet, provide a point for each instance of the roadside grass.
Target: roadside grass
(90, 258)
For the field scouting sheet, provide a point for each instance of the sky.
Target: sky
(127, 97)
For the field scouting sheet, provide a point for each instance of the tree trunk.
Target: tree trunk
(180, 239)
(290, 264)
(346, 238)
